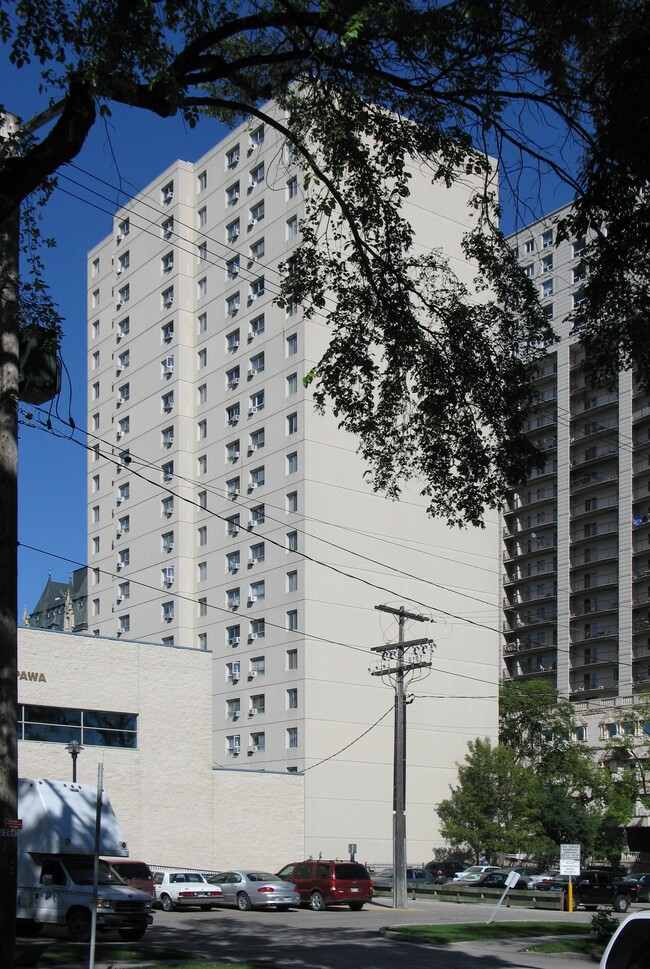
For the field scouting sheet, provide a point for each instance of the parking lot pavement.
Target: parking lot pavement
(338, 938)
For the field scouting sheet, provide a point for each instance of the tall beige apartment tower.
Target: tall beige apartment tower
(225, 515)
(577, 534)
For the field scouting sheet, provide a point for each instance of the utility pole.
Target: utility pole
(395, 664)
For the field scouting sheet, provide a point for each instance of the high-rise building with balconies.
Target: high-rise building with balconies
(577, 534)
(224, 514)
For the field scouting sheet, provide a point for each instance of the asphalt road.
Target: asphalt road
(341, 939)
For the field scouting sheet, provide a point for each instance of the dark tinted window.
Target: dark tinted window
(349, 872)
(302, 871)
(134, 869)
(322, 871)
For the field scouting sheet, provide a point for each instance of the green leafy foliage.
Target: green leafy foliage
(430, 372)
(559, 793)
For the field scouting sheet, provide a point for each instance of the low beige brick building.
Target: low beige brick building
(145, 712)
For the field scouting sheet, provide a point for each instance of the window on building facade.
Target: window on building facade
(292, 659)
(292, 345)
(257, 591)
(256, 478)
(292, 738)
(256, 326)
(257, 553)
(257, 516)
(256, 440)
(292, 463)
(292, 619)
(90, 728)
(292, 699)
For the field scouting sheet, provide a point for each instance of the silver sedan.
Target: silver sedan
(255, 889)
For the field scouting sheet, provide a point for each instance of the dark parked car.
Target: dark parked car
(489, 879)
(442, 871)
(592, 888)
(642, 883)
(415, 878)
(322, 883)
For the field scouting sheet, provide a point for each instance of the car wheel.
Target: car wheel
(621, 903)
(317, 902)
(132, 935)
(356, 906)
(243, 902)
(166, 903)
(78, 924)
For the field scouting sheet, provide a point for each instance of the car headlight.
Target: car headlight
(104, 902)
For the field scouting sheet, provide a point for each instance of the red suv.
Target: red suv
(323, 883)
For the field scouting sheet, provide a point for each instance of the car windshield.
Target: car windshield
(261, 876)
(385, 873)
(81, 872)
(186, 876)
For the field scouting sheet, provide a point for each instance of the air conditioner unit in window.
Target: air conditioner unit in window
(232, 529)
(234, 641)
(252, 674)
(119, 304)
(120, 499)
(118, 566)
(233, 494)
(120, 270)
(234, 751)
(169, 512)
(252, 597)
(233, 383)
(235, 344)
(118, 534)
(118, 336)
(232, 421)
(234, 603)
(253, 748)
(119, 237)
(253, 711)
(118, 435)
(169, 573)
(233, 568)
(119, 599)
(234, 677)
(119, 368)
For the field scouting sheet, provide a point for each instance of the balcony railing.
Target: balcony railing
(589, 480)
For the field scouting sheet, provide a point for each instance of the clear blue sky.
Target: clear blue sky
(132, 147)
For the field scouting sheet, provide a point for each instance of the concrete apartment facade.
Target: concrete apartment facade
(577, 534)
(225, 515)
(143, 710)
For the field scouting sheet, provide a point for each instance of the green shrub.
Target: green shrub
(603, 925)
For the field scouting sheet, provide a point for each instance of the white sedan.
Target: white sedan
(181, 889)
(475, 872)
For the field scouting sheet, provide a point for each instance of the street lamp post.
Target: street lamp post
(73, 749)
